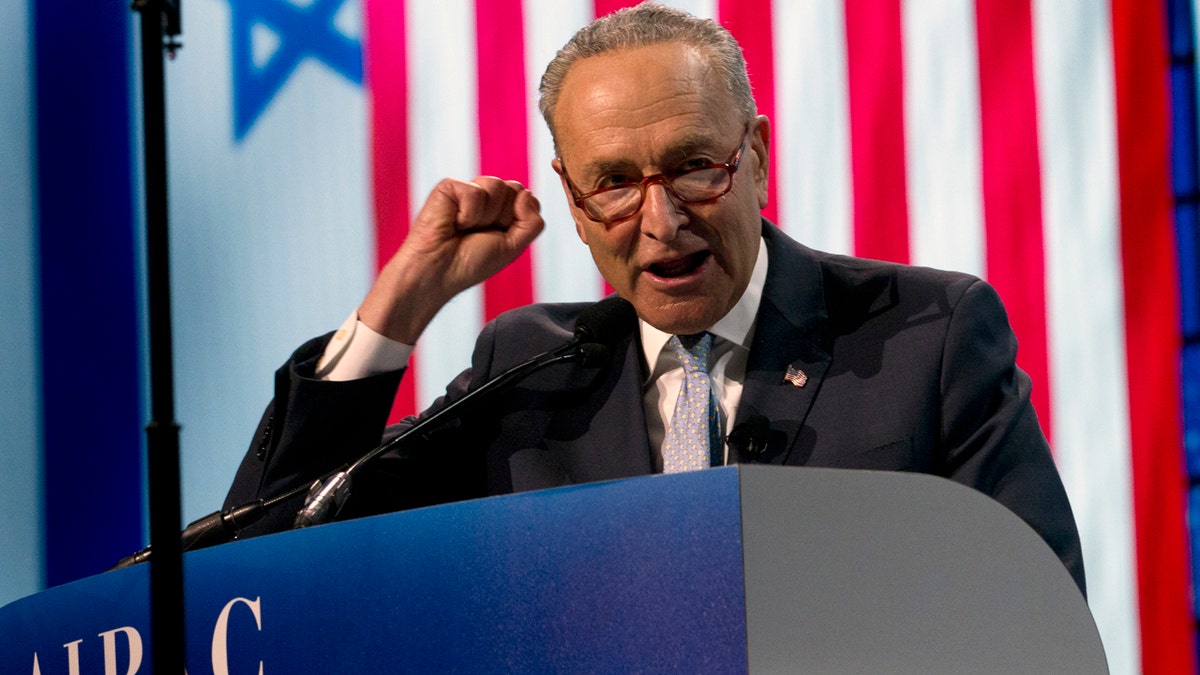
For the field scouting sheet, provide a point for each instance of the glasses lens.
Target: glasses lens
(614, 204)
(702, 184)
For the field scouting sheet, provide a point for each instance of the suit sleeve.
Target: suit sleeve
(315, 426)
(309, 428)
(990, 429)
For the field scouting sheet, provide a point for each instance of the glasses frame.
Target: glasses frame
(665, 179)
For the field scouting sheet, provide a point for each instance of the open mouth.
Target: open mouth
(670, 269)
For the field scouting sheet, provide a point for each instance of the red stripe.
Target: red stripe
(1012, 191)
(1152, 336)
(750, 23)
(503, 130)
(876, 91)
(609, 6)
(386, 66)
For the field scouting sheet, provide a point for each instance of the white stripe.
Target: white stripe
(21, 554)
(1089, 402)
(444, 141)
(563, 268)
(941, 114)
(702, 8)
(812, 133)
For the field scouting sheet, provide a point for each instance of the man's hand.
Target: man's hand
(466, 232)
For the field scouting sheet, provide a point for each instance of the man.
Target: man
(852, 363)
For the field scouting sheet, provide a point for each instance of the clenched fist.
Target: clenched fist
(466, 232)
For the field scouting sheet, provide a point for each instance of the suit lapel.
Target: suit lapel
(787, 362)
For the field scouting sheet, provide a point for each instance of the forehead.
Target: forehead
(642, 103)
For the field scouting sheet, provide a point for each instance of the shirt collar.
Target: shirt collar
(736, 326)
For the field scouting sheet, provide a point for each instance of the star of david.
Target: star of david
(292, 30)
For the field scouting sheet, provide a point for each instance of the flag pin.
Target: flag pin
(796, 376)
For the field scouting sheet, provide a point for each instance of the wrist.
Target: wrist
(402, 301)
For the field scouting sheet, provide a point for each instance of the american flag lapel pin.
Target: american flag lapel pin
(795, 376)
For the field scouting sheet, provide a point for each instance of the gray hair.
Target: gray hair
(641, 26)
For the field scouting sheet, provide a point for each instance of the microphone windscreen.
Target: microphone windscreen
(749, 438)
(607, 322)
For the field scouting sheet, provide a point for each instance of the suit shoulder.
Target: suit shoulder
(847, 272)
(850, 267)
(548, 322)
(856, 289)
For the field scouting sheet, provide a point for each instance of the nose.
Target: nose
(662, 215)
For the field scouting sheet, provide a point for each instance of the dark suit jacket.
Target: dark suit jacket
(909, 369)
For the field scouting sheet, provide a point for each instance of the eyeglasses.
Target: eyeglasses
(694, 185)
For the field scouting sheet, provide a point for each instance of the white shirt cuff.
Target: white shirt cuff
(356, 352)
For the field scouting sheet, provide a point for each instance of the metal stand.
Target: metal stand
(160, 25)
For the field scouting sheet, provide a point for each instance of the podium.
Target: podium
(741, 569)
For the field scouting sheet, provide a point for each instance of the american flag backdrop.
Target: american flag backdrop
(1026, 141)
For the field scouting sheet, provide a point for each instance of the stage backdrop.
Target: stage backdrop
(1027, 142)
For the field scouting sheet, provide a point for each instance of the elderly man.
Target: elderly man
(845, 362)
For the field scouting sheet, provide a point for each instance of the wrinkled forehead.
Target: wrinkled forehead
(661, 95)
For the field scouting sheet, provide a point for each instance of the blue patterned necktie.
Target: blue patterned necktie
(694, 439)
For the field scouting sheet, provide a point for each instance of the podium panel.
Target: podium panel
(875, 572)
(741, 569)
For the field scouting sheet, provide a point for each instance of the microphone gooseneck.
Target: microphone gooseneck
(597, 330)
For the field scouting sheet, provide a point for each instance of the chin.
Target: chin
(683, 318)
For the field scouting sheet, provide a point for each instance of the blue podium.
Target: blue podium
(741, 569)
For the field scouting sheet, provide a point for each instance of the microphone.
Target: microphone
(597, 330)
(215, 528)
(749, 438)
(604, 324)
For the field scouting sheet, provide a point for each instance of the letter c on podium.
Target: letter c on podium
(220, 651)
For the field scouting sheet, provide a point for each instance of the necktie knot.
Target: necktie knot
(693, 351)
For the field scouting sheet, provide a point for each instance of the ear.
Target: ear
(557, 165)
(760, 144)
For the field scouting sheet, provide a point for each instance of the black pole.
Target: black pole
(159, 27)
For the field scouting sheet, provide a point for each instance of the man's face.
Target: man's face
(626, 115)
